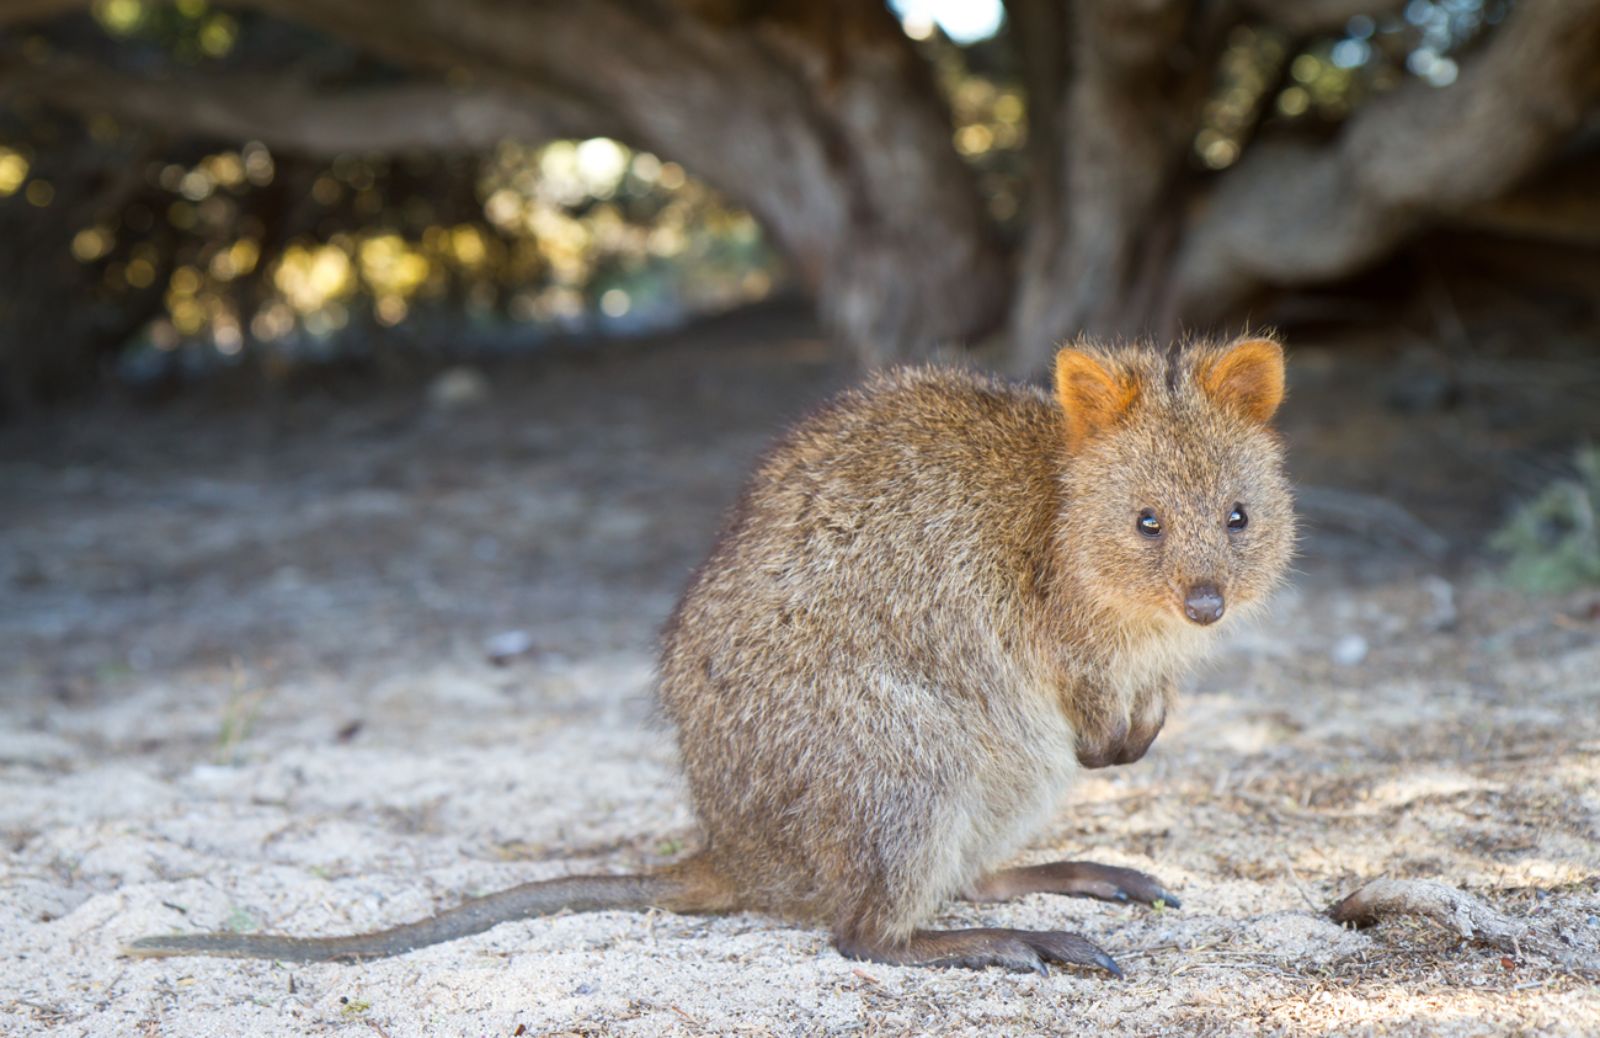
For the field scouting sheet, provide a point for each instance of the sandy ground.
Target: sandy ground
(245, 686)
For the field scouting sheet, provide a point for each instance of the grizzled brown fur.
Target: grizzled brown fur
(932, 602)
(938, 597)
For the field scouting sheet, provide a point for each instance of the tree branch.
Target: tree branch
(1038, 32)
(297, 117)
(1292, 213)
(17, 12)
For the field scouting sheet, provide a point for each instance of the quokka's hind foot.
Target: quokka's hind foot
(1075, 879)
(1019, 950)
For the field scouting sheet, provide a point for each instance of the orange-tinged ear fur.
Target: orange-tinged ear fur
(1092, 396)
(1247, 379)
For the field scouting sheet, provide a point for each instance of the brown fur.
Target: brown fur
(931, 606)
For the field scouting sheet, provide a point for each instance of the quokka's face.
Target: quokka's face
(1177, 506)
(1184, 517)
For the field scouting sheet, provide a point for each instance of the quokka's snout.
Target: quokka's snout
(1204, 603)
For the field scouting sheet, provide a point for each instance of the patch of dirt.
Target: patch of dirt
(246, 685)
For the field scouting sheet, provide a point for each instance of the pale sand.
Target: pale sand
(188, 629)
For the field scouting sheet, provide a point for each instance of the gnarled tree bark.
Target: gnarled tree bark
(293, 116)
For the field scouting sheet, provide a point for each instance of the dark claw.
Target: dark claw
(1073, 949)
(1127, 884)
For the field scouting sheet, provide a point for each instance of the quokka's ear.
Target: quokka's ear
(1248, 378)
(1092, 396)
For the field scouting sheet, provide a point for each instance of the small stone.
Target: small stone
(1349, 650)
(506, 646)
(458, 388)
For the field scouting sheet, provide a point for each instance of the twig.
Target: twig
(1469, 917)
(1294, 877)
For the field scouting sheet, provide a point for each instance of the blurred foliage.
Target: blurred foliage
(1552, 542)
(568, 234)
(990, 132)
(247, 252)
(1265, 81)
(988, 114)
(187, 29)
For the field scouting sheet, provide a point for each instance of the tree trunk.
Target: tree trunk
(56, 330)
(1097, 255)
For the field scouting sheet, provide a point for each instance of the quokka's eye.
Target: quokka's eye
(1148, 524)
(1237, 520)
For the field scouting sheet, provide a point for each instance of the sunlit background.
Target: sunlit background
(235, 251)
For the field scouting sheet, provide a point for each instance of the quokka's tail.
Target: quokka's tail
(672, 890)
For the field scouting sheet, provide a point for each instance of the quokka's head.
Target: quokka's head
(1177, 506)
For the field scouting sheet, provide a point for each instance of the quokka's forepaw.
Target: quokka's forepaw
(1076, 879)
(1114, 883)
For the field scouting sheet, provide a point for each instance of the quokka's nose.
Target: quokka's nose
(1203, 604)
